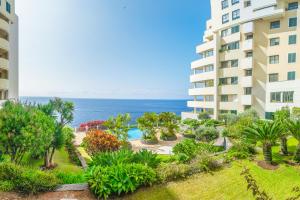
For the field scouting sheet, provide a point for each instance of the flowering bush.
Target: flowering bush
(99, 141)
(97, 124)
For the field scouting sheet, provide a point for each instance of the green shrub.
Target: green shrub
(240, 150)
(147, 158)
(172, 171)
(6, 186)
(69, 177)
(203, 115)
(205, 163)
(27, 181)
(122, 156)
(211, 123)
(186, 150)
(119, 179)
(207, 134)
(189, 134)
(228, 118)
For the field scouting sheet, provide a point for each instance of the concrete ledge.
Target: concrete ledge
(72, 187)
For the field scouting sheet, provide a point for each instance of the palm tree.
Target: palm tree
(266, 132)
(294, 128)
(281, 116)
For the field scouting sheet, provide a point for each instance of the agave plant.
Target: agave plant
(294, 128)
(266, 132)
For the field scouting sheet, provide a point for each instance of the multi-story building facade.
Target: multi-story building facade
(249, 58)
(8, 51)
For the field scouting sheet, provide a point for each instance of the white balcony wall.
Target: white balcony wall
(201, 104)
(247, 45)
(205, 46)
(247, 81)
(203, 62)
(189, 115)
(203, 76)
(201, 91)
(246, 100)
(247, 63)
(248, 27)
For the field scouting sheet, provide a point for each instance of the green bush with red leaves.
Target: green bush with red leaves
(98, 141)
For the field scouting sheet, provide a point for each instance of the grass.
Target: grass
(228, 183)
(84, 154)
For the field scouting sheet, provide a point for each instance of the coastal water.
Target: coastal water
(102, 109)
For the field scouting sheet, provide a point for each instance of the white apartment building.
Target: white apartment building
(249, 58)
(9, 79)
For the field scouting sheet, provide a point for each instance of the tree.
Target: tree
(266, 132)
(148, 124)
(119, 126)
(294, 128)
(203, 115)
(24, 129)
(62, 112)
(280, 117)
(169, 124)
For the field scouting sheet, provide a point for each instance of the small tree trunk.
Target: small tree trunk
(267, 151)
(46, 160)
(51, 157)
(297, 154)
(284, 149)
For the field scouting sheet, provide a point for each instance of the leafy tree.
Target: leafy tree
(119, 126)
(169, 124)
(24, 129)
(294, 128)
(267, 133)
(203, 115)
(62, 112)
(281, 116)
(148, 124)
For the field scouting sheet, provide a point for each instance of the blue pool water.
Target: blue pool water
(135, 134)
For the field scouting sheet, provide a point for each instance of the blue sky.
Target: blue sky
(109, 48)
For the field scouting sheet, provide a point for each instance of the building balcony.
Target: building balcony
(228, 72)
(4, 44)
(3, 84)
(189, 115)
(228, 89)
(4, 25)
(208, 35)
(202, 91)
(248, 27)
(247, 45)
(203, 62)
(231, 38)
(228, 105)
(247, 63)
(202, 77)
(247, 81)
(246, 100)
(205, 46)
(200, 104)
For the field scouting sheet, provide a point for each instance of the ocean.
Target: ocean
(102, 109)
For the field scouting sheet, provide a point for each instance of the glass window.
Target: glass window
(234, 80)
(224, 33)
(292, 39)
(293, 6)
(248, 90)
(233, 45)
(233, 2)
(291, 76)
(224, 4)
(248, 72)
(223, 81)
(236, 14)
(209, 98)
(247, 3)
(249, 37)
(293, 22)
(8, 7)
(275, 24)
(249, 54)
(209, 68)
(224, 98)
(275, 97)
(292, 57)
(273, 77)
(235, 29)
(288, 97)
(225, 18)
(274, 59)
(274, 41)
(269, 115)
(234, 63)
(209, 83)
(224, 64)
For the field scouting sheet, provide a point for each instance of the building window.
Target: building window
(234, 80)
(249, 54)
(224, 98)
(209, 98)
(230, 46)
(224, 64)
(249, 37)
(292, 57)
(247, 3)
(224, 4)
(235, 29)
(293, 6)
(274, 41)
(248, 90)
(291, 76)
(206, 54)
(225, 18)
(293, 22)
(292, 39)
(224, 33)
(288, 97)
(275, 24)
(269, 115)
(234, 63)
(8, 7)
(274, 59)
(275, 97)
(273, 78)
(236, 14)
(248, 72)
(223, 81)
(233, 2)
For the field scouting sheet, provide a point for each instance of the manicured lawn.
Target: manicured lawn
(228, 183)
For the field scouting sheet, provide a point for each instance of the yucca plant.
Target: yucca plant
(294, 128)
(266, 132)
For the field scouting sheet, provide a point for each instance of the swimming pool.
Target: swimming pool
(135, 134)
